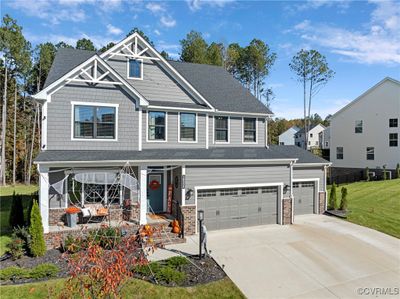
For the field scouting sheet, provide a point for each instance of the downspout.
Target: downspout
(291, 188)
(266, 132)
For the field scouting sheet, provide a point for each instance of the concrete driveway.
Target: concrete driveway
(318, 257)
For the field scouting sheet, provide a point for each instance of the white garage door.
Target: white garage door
(238, 207)
(304, 194)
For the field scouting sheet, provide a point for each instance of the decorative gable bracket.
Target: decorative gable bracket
(131, 49)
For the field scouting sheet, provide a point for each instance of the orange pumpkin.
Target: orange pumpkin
(176, 230)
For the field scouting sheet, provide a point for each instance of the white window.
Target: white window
(187, 127)
(94, 122)
(370, 153)
(358, 126)
(156, 126)
(339, 153)
(250, 130)
(221, 128)
(393, 139)
(135, 69)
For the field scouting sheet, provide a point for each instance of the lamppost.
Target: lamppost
(200, 218)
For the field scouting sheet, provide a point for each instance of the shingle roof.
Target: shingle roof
(66, 59)
(214, 83)
(218, 87)
(226, 153)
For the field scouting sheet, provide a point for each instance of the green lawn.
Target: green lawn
(135, 288)
(374, 204)
(5, 205)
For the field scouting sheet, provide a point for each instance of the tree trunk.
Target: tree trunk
(3, 129)
(15, 133)
(32, 147)
(305, 114)
(309, 104)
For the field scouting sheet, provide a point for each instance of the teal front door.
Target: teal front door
(155, 192)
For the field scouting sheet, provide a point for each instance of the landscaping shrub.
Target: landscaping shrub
(74, 244)
(367, 177)
(332, 198)
(38, 245)
(40, 271)
(177, 262)
(16, 248)
(22, 233)
(107, 237)
(343, 201)
(168, 275)
(398, 171)
(144, 270)
(384, 173)
(17, 211)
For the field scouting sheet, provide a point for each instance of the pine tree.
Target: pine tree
(332, 198)
(343, 201)
(38, 245)
(17, 211)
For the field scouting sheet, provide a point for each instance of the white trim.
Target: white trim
(147, 127)
(229, 130)
(243, 113)
(165, 63)
(249, 142)
(141, 68)
(48, 90)
(316, 191)
(280, 185)
(44, 204)
(140, 126)
(207, 131)
(178, 109)
(266, 132)
(143, 194)
(165, 191)
(183, 180)
(179, 128)
(93, 104)
(44, 127)
(298, 164)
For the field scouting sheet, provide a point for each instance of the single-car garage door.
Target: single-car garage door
(238, 207)
(304, 194)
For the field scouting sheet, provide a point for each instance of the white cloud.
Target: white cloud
(157, 32)
(113, 30)
(168, 21)
(341, 5)
(379, 43)
(195, 5)
(155, 7)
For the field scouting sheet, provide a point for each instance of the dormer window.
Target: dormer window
(135, 69)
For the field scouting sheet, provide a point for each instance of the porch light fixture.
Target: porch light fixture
(189, 194)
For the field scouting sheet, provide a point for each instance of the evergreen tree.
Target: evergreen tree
(214, 54)
(398, 171)
(85, 44)
(332, 198)
(165, 55)
(106, 47)
(38, 245)
(194, 48)
(343, 201)
(17, 211)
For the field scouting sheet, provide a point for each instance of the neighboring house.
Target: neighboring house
(287, 137)
(365, 133)
(187, 128)
(325, 138)
(313, 137)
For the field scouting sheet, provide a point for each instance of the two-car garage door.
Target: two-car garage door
(238, 207)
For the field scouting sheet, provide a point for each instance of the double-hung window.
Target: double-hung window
(156, 126)
(187, 127)
(370, 153)
(221, 129)
(135, 69)
(393, 139)
(93, 122)
(339, 153)
(249, 130)
(393, 122)
(358, 126)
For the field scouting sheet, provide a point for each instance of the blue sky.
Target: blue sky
(361, 40)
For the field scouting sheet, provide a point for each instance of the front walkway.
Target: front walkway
(318, 257)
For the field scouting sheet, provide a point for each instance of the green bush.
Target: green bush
(332, 205)
(343, 201)
(107, 237)
(16, 248)
(398, 171)
(74, 244)
(168, 275)
(177, 262)
(16, 211)
(149, 269)
(22, 233)
(384, 173)
(38, 245)
(40, 271)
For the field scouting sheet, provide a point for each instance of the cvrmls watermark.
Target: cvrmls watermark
(377, 291)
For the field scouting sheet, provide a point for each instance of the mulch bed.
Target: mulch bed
(52, 256)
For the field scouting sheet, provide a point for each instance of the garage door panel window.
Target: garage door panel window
(227, 192)
(207, 193)
(269, 190)
(249, 190)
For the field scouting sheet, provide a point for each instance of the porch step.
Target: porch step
(164, 236)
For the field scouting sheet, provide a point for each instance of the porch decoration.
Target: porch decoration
(176, 229)
(154, 185)
(72, 216)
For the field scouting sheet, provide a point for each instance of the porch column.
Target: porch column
(183, 185)
(143, 194)
(44, 196)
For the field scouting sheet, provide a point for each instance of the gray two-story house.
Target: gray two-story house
(190, 134)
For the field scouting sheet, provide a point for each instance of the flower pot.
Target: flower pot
(72, 220)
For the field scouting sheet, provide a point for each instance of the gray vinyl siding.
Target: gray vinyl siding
(177, 176)
(197, 176)
(156, 85)
(310, 173)
(60, 115)
(172, 133)
(236, 133)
